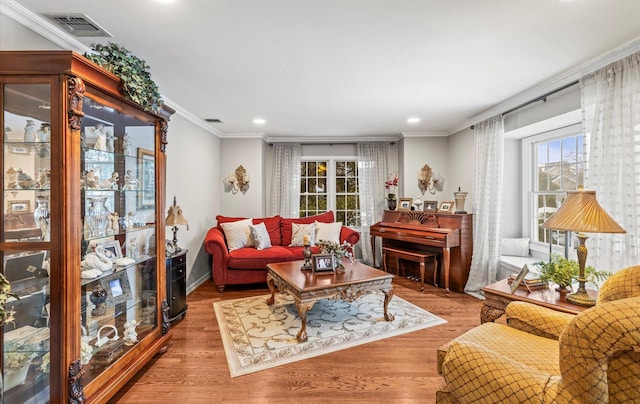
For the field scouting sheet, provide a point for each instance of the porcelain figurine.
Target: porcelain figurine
(101, 141)
(126, 145)
(130, 181)
(130, 334)
(30, 131)
(44, 133)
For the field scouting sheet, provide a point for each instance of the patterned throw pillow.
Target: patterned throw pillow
(328, 232)
(298, 231)
(260, 236)
(238, 234)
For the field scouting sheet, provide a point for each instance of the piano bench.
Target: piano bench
(420, 258)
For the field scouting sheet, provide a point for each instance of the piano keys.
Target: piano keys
(450, 235)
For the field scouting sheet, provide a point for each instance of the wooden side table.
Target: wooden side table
(498, 295)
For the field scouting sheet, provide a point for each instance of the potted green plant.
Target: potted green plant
(562, 272)
(137, 84)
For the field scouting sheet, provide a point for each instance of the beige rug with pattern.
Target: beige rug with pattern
(258, 337)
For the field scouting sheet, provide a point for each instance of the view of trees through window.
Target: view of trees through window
(559, 167)
(330, 184)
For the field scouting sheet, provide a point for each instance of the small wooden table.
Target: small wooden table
(498, 295)
(307, 287)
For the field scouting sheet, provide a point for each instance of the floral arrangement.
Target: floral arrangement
(339, 251)
(6, 316)
(44, 366)
(390, 185)
(17, 360)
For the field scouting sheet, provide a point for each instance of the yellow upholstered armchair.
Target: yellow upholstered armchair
(544, 356)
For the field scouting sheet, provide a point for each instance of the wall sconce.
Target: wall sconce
(427, 181)
(175, 218)
(238, 180)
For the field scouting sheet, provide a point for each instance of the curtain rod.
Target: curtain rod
(328, 143)
(541, 98)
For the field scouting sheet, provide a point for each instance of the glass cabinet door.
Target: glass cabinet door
(26, 183)
(118, 268)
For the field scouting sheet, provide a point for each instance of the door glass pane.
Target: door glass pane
(27, 162)
(118, 187)
(26, 336)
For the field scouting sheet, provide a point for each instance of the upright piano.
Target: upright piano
(450, 235)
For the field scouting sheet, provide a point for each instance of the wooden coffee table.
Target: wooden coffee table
(498, 295)
(307, 287)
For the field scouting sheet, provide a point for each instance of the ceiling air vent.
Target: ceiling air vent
(78, 25)
(213, 120)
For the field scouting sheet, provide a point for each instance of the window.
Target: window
(558, 165)
(328, 184)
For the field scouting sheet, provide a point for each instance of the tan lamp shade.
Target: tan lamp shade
(582, 213)
(175, 217)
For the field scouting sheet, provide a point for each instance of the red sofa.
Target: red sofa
(249, 265)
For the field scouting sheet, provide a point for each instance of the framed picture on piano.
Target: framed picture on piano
(446, 207)
(430, 206)
(405, 204)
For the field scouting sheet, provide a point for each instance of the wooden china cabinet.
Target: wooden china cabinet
(83, 175)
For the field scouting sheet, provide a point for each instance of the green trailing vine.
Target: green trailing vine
(137, 85)
(562, 271)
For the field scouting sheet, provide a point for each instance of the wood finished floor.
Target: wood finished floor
(401, 369)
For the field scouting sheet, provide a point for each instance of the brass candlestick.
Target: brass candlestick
(307, 258)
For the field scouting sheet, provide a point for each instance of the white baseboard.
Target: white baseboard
(194, 285)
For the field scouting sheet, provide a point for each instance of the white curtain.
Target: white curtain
(611, 118)
(285, 183)
(487, 204)
(372, 172)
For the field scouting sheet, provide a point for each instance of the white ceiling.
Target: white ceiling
(332, 69)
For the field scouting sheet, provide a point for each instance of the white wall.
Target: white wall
(460, 167)
(418, 151)
(248, 152)
(192, 172)
(15, 36)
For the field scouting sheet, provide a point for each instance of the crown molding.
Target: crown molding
(49, 31)
(553, 83)
(331, 139)
(242, 135)
(426, 134)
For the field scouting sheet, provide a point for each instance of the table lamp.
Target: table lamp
(582, 213)
(175, 218)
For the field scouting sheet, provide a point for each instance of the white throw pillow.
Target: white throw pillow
(328, 231)
(298, 231)
(260, 236)
(238, 234)
(515, 247)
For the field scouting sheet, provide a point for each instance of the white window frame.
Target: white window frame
(331, 177)
(529, 178)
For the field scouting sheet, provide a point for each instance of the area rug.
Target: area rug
(257, 336)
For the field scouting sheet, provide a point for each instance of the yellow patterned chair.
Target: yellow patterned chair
(544, 356)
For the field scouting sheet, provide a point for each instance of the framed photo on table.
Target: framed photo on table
(405, 203)
(323, 262)
(446, 207)
(518, 280)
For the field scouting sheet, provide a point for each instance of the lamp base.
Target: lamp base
(581, 297)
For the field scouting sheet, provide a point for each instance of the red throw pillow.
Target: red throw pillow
(326, 217)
